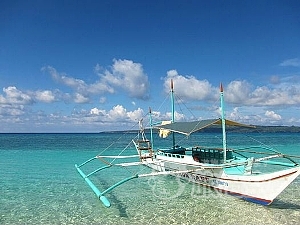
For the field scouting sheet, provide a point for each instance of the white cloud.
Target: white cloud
(288, 94)
(159, 116)
(272, 115)
(15, 96)
(124, 75)
(12, 104)
(284, 92)
(128, 76)
(95, 111)
(99, 87)
(78, 85)
(237, 91)
(15, 102)
(189, 87)
(136, 115)
(235, 114)
(64, 79)
(11, 110)
(45, 96)
(117, 113)
(79, 98)
(291, 62)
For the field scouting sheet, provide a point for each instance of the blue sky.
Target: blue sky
(90, 66)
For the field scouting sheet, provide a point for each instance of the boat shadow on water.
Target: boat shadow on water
(280, 204)
(117, 203)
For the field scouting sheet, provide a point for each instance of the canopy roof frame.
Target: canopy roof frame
(187, 128)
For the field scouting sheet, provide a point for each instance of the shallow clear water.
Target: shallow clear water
(40, 185)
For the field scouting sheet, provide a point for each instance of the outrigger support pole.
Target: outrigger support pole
(98, 193)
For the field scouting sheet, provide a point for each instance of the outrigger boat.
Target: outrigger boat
(224, 169)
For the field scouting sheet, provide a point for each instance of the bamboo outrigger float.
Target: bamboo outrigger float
(223, 169)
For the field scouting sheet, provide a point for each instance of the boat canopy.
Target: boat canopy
(188, 128)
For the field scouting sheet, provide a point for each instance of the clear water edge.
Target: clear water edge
(40, 185)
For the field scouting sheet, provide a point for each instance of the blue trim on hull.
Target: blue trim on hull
(255, 200)
(259, 201)
(241, 196)
(251, 199)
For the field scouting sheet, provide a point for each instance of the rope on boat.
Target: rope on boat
(130, 164)
(271, 153)
(117, 156)
(120, 137)
(104, 161)
(267, 158)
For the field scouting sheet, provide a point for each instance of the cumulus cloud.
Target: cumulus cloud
(64, 79)
(12, 104)
(235, 114)
(45, 96)
(79, 98)
(253, 115)
(295, 62)
(238, 91)
(11, 110)
(272, 115)
(189, 87)
(117, 113)
(126, 77)
(285, 90)
(96, 111)
(136, 115)
(280, 95)
(123, 75)
(160, 116)
(15, 96)
(130, 77)
(80, 87)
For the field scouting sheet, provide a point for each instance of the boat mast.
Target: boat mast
(151, 127)
(223, 121)
(173, 110)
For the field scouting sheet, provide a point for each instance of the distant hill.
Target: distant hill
(257, 129)
(217, 129)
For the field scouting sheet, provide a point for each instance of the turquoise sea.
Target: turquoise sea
(39, 184)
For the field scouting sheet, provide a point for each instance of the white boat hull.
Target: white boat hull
(258, 188)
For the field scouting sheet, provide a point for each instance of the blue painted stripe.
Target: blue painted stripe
(241, 196)
(251, 199)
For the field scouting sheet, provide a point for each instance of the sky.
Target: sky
(93, 66)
